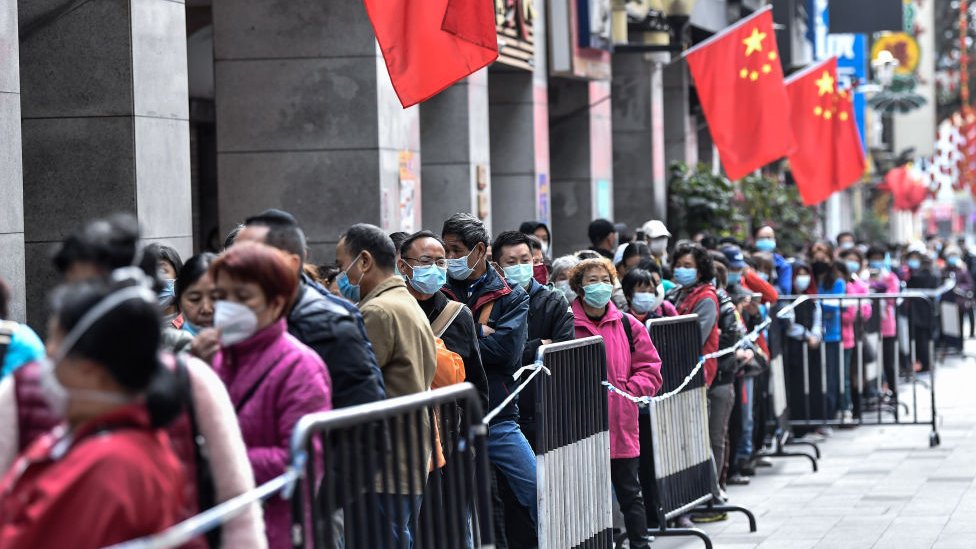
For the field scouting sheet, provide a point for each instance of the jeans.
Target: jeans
(626, 485)
(721, 399)
(510, 452)
(744, 451)
(399, 512)
(846, 401)
(832, 356)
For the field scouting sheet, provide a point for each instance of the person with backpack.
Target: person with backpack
(634, 366)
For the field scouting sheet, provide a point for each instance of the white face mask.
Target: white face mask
(545, 248)
(235, 322)
(57, 396)
(658, 246)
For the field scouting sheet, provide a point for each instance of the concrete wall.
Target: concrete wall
(11, 172)
(307, 119)
(105, 125)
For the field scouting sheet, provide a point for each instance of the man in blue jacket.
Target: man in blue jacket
(766, 242)
(501, 313)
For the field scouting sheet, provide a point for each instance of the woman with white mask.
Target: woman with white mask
(645, 296)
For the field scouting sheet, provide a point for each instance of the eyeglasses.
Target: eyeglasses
(425, 261)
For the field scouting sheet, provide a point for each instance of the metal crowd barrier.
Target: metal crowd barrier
(369, 453)
(820, 386)
(676, 464)
(573, 446)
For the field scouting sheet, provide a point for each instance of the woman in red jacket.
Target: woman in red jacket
(694, 271)
(109, 470)
(637, 372)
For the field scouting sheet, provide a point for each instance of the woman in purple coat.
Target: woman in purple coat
(273, 379)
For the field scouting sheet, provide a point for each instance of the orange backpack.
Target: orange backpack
(450, 365)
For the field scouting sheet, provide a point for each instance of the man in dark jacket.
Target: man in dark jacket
(501, 312)
(603, 237)
(335, 332)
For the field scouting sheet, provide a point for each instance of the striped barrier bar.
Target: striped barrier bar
(573, 446)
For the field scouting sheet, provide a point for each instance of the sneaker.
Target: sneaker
(684, 521)
(825, 431)
(739, 480)
(709, 516)
(723, 495)
(762, 462)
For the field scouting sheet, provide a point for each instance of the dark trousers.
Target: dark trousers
(923, 336)
(889, 348)
(626, 485)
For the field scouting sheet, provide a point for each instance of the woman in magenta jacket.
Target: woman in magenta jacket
(638, 373)
(273, 379)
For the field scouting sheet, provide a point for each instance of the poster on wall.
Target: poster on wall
(604, 199)
(409, 203)
(542, 206)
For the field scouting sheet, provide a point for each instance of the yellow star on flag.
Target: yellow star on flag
(825, 84)
(754, 42)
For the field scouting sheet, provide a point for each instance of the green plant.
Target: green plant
(767, 201)
(700, 201)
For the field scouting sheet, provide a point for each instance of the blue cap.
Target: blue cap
(735, 257)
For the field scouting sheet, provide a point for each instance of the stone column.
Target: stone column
(640, 174)
(105, 125)
(680, 132)
(11, 173)
(582, 159)
(307, 120)
(456, 168)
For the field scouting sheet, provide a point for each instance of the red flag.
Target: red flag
(430, 44)
(740, 85)
(828, 157)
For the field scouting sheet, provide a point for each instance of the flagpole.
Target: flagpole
(806, 70)
(726, 30)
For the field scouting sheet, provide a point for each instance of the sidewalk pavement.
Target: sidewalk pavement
(878, 487)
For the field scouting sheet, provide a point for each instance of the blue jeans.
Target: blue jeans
(744, 451)
(511, 454)
(400, 514)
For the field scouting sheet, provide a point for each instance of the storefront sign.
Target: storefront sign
(514, 21)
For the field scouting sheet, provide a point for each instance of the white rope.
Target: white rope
(535, 369)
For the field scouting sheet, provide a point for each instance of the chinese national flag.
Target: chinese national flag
(430, 44)
(740, 85)
(829, 157)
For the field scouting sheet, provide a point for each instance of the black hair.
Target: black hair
(328, 273)
(232, 235)
(4, 300)
(729, 240)
(192, 270)
(709, 242)
(703, 261)
(721, 275)
(529, 227)
(370, 238)
(167, 253)
(635, 249)
(110, 243)
(599, 230)
(845, 233)
(650, 266)
(624, 234)
(510, 238)
(633, 279)
(283, 231)
(408, 242)
(134, 365)
(877, 249)
(587, 254)
(851, 251)
(719, 258)
(397, 238)
(468, 228)
(840, 267)
(534, 242)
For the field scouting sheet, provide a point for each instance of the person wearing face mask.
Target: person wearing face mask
(883, 281)
(693, 271)
(109, 468)
(273, 379)
(830, 279)
(766, 243)
(846, 241)
(170, 264)
(742, 275)
(634, 366)
(921, 276)
(645, 297)
(603, 237)
(657, 234)
(539, 230)
(404, 344)
(195, 303)
(540, 263)
(804, 333)
(501, 310)
(961, 294)
(423, 262)
(853, 318)
(560, 276)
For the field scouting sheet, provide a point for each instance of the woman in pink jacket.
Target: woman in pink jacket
(273, 380)
(637, 372)
(849, 317)
(884, 281)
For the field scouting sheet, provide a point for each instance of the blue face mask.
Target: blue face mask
(597, 295)
(734, 278)
(349, 290)
(190, 328)
(876, 265)
(953, 261)
(428, 280)
(763, 276)
(766, 244)
(686, 276)
(854, 267)
(914, 264)
(458, 269)
(167, 294)
(520, 274)
(643, 302)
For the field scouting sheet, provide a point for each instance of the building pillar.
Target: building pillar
(639, 173)
(582, 159)
(307, 120)
(680, 131)
(11, 172)
(105, 125)
(454, 136)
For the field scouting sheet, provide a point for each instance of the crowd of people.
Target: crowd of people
(165, 385)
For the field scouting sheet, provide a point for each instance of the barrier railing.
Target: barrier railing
(676, 463)
(377, 457)
(573, 446)
(827, 385)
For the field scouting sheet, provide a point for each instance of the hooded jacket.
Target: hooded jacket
(639, 373)
(501, 351)
(549, 318)
(334, 334)
(273, 380)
